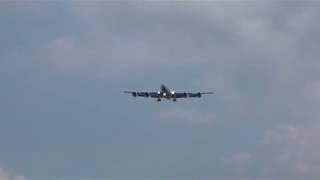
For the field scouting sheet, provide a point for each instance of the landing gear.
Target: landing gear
(159, 100)
(174, 99)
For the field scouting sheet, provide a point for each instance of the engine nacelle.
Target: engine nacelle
(134, 94)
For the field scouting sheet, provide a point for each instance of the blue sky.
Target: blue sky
(64, 66)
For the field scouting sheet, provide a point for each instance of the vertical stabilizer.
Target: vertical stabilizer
(164, 89)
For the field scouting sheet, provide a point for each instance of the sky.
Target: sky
(65, 64)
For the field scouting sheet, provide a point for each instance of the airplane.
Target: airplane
(168, 94)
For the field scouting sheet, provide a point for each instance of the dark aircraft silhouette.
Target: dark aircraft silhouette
(167, 94)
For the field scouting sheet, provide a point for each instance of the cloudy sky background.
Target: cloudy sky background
(64, 65)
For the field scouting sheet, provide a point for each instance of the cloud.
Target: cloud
(64, 52)
(116, 37)
(102, 49)
(261, 58)
(274, 62)
(101, 52)
(238, 162)
(188, 116)
(23, 8)
(274, 77)
(289, 151)
(6, 176)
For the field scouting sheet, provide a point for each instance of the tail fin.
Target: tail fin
(164, 88)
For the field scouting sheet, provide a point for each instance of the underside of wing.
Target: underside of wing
(154, 94)
(143, 94)
(181, 95)
(191, 95)
(207, 92)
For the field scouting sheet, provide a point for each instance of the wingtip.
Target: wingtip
(208, 93)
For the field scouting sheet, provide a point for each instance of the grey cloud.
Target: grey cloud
(6, 176)
(139, 35)
(288, 151)
(278, 55)
(22, 8)
(188, 116)
(260, 57)
(275, 56)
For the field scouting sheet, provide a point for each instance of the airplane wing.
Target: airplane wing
(181, 95)
(191, 95)
(143, 94)
(206, 92)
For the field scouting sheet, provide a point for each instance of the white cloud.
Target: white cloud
(6, 176)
